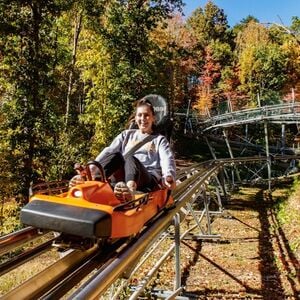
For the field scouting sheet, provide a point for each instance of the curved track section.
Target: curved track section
(282, 113)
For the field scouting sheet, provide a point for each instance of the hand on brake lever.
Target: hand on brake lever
(75, 180)
(169, 182)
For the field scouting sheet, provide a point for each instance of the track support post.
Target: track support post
(176, 220)
(268, 154)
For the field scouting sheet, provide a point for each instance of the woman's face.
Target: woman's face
(144, 118)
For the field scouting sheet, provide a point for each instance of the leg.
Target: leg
(137, 176)
(113, 164)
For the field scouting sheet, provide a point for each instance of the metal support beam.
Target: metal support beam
(268, 154)
(282, 138)
(177, 283)
(213, 154)
(231, 153)
(220, 178)
(211, 149)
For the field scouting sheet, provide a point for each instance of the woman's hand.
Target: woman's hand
(169, 182)
(75, 180)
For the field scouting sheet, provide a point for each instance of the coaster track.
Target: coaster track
(197, 184)
(113, 260)
(288, 113)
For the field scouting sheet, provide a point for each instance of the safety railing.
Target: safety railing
(280, 113)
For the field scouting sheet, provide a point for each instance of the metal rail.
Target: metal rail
(22, 258)
(59, 278)
(109, 273)
(282, 113)
(13, 240)
(45, 280)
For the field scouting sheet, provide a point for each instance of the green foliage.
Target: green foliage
(71, 147)
(263, 69)
(116, 63)
(287, 212)
(37, 59)
(243, 23)
(208, 23)
(28, 46)
(221, 52)
(262, 64)
(99, 112)
(9, 217)
(270, 97)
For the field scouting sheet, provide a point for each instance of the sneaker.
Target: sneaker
(122, 192)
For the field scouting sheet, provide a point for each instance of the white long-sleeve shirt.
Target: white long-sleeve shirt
(155, 155)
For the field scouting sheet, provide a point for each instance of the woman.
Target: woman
(150, 164)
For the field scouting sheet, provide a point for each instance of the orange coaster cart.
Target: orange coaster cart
(91, 210)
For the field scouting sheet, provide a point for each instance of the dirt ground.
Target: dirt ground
(257, 256)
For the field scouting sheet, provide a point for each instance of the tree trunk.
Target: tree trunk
(77, 29)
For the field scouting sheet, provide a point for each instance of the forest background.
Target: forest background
(72, 70)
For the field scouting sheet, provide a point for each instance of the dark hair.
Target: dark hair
(145, 102)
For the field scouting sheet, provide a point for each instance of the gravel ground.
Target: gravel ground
(257, 256)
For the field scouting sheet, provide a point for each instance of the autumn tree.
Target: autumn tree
(128, 58)
(28, 51)
(207, 24)
(262, 64)
(73, 138)
(214, 52)
(175, 63)
(289, 39)
(243, 23)
(209, 75)
(71, 71)
(94, 63)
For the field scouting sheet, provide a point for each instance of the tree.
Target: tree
(174, 61)
(208, 23)
(124, 32)
(209, 76)
(243, 23)
(94, 63)
(27, 50)
(289, 39)
(252, 35)
(261, 62)
(209, 27)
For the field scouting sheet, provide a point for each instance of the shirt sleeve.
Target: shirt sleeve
(167, 160)
(115, 146)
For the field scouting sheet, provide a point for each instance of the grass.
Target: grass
(288, 211)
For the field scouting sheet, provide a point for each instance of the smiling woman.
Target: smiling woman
(138, 159)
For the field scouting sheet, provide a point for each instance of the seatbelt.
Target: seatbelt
(138, 145)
